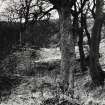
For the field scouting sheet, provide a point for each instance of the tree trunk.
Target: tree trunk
(79, 32)
(67, 47)
(81, 51)
(94, 54)
(95, 68)
(80, 43)
(86, 29)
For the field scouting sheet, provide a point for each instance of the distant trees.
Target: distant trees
(8, 37)
(21, 11)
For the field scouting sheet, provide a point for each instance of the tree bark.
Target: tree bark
(79, 32)
(67, 47)
(86, 29)
(81, 51)
(95, 68)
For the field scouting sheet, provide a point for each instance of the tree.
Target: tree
(67, 42)
(79, 25)
(20, 10)
(95, 68)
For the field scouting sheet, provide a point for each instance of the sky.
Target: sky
(3, 4)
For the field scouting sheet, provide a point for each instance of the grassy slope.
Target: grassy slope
(34, 89)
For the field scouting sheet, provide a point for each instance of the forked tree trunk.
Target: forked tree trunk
(67, 47)
(95, 68)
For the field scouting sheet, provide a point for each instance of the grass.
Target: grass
(40, 84)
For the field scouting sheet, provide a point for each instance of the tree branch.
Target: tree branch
(46, 12)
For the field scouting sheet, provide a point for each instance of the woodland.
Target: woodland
(49, 60)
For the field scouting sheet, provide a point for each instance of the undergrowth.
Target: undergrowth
(27, 79)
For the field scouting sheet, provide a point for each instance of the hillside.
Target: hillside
(39, 80)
